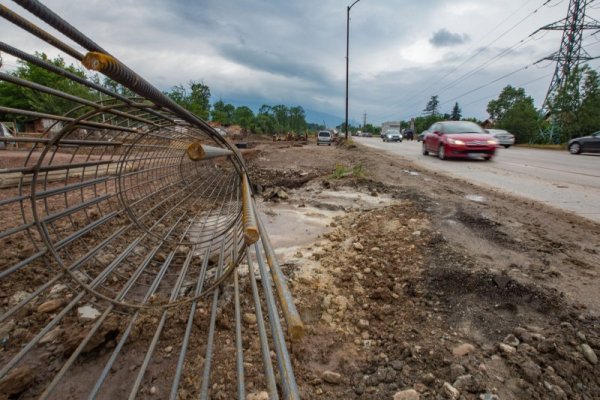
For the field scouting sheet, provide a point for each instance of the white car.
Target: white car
(505, 138)
(324, 137)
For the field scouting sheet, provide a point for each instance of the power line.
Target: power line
(480, 50)
(521, 42)
(571, 50)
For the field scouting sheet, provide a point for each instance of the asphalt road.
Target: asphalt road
(556, 178)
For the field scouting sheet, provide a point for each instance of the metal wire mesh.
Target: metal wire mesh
(124, 223)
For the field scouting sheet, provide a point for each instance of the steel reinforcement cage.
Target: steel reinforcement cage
(129, 234)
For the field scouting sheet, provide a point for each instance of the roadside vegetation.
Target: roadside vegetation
(343, 171)
(573, 112)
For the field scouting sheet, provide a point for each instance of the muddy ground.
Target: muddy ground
(421, 286)
(411, 285)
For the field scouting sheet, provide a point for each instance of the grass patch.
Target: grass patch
(342, 171)
(347, 143)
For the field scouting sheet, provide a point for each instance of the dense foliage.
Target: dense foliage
(575, 110)
(15, 96)
(514, 111)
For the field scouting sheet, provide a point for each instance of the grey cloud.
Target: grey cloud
(445, 38)
(272, 62)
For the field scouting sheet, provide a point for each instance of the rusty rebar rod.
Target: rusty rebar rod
(131, 217)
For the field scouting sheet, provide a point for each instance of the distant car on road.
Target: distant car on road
(460, 139)
(505, 138)
(4, 133)
(392, 136)
(421, 135)
(585, 144)
(367, 134)
(324, 137)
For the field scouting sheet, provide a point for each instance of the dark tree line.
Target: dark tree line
(195, 96)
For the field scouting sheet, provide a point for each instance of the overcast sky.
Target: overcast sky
(293, 52)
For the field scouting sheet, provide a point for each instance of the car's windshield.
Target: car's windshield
(463, 127)
(324, 134)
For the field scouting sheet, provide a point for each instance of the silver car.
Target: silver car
(324, 137)
(392, 136)
(505, 138)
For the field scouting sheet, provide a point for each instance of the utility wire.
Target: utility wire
(487, 63)
(481, 50)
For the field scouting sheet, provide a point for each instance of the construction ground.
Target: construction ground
(412, 285)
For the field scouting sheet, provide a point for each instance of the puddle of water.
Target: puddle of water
(292, 228)
(476, 198)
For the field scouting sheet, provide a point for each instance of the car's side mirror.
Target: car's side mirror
(437, 133)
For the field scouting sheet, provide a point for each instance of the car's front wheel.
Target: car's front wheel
(424, 149)
(575, 148)
(441, 152)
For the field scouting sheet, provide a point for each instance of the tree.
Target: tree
(280, 113)
(243, 116)
(589, 112)
(16, 96)
(196, 99)
(514, 111)
(432, 107)
(507, 98)
(456, 113)
(297, 119)
(113, 86)
(424, 122)
(522, 119)
(575, 109)
(222, 113)
(263, 124)
(564, 107)
(265, 109)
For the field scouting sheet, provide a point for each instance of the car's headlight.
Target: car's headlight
(492, 141)
(455, 141)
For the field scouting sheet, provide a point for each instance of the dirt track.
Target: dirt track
(432, 292)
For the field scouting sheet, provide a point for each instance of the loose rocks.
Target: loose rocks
(410, 394)
(87, 313)
(49, 306)
(17, 380)
(450, 391)
(506, 349)
(589, 354)
(463, 349)
(249, 318)
(331, 377)
(258, 396)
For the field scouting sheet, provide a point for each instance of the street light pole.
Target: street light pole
(347, 59)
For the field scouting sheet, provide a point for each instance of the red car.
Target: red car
(460, 139)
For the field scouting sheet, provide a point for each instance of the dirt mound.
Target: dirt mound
(393, 304)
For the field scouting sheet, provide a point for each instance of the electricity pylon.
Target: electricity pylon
(571, 52)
